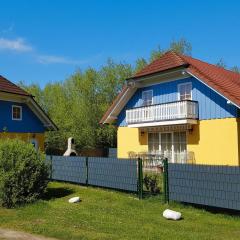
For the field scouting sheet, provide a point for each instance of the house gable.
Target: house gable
(220, 81)
(36, 120)
(29, 123)
(211, 104)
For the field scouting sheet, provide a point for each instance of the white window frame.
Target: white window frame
(181, 84)
(151, 91)
(20, 107)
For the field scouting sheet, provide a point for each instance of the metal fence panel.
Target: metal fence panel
(98, 171)
(217, 186)
(70, 169)
(113, 173)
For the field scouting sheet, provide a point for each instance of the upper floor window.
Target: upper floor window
(185, 91)
(16, 112)
(147, 97)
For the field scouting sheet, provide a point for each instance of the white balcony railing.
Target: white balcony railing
(163, 112)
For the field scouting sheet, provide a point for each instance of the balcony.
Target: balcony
(179, 112)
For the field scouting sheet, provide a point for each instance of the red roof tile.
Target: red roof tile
(167, 61)
(225, 82)
(9, 87)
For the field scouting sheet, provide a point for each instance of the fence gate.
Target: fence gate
(151, 175)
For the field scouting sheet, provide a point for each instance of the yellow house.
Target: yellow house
(20, 115)
(182, 108)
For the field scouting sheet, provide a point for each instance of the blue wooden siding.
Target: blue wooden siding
(30, 122)
(211, 104)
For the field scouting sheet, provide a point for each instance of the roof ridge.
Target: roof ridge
(179, 55)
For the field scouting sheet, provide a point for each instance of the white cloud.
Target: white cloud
(49, 59)
(17, 45)
(20, 45)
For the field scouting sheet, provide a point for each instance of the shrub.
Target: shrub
(23, 173)
(151, 182)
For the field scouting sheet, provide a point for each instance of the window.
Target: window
(185, 91)
(172, 145)
(180, 146)
(16, 112)
(147, 97)
(153, 142)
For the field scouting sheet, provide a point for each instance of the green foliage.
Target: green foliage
(155, 54)
(235, 69)
(23, 173)
(140, 64)
(181, 46)
(221, 63)
(152, 183)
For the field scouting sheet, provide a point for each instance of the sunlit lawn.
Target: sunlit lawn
(105, 214)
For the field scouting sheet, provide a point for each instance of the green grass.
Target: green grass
(105, 214)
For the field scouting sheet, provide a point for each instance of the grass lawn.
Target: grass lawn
(105, 214)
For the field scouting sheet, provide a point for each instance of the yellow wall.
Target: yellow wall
(215, 142)
(130, 140)
(26, 137)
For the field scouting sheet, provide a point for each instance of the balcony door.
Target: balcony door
(166, 144)
(172, 145)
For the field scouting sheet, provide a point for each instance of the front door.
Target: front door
(166, 144)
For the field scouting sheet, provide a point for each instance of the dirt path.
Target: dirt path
(6, 234)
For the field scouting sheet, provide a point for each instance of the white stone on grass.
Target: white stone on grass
(170, 214)
(74, 200)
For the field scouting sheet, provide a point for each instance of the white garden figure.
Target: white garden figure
(74, 200)
(71, 148)
(170, 214)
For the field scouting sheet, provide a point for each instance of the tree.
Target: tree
(181, 46)
(155, 54)
(235, 69)
(221, 63)
(140, 64)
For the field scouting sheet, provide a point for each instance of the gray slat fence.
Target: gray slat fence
(217, 186)
(114, 173)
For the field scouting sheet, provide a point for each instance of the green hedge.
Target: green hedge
(23, 173)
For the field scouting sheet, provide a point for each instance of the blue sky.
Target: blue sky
(46, 41)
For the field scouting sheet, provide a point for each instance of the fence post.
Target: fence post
(165, 180)
(87, 171)
(140, 179)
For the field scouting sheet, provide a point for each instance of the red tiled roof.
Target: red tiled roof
(167, 61)
(9, 87)
(225, 82)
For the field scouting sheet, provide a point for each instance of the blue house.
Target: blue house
(21, 116)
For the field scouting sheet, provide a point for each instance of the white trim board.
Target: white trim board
(153, 124)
